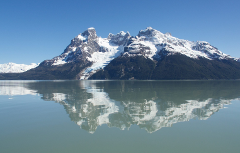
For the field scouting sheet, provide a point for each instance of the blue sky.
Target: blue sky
(32, 31)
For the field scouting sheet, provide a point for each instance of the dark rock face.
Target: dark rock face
(103, 49)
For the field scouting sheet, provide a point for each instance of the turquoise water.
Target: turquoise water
(119, 116)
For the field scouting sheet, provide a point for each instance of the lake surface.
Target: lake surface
(119, 116)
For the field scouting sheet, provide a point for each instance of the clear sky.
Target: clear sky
(34, 30)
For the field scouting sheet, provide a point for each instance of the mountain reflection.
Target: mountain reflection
(149, 104)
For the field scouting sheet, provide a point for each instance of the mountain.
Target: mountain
(16, 68)
(149, 55)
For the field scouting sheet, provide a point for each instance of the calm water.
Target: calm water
(119, 116)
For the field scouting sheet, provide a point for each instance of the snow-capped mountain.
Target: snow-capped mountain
(16, 68)
(149, 43)
(149, 55)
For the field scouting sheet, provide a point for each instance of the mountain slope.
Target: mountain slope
(173, 67)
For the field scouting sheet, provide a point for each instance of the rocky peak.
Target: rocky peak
(149, 31)
(120, 38)
(90, 33)
(87, 36)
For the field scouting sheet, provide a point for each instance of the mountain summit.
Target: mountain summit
(149, 55)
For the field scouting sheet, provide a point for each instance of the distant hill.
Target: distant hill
(16, 68)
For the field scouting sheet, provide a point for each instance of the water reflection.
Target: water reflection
(149, 104)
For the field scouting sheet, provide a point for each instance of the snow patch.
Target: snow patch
(82, 37)
(59, 61)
